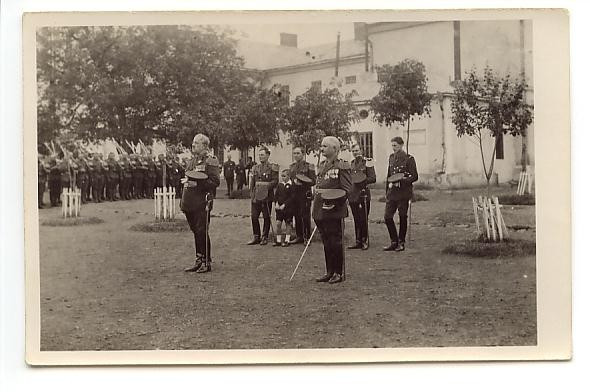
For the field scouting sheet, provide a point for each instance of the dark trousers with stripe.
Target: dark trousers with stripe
(331, 233)
(256, 208)
(359, 213)
(198, 222)
(402, 207)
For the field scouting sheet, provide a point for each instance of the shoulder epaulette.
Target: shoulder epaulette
(274, 167)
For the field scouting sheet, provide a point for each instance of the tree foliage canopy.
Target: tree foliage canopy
(316, 114)
(141, 82)
(403, 92)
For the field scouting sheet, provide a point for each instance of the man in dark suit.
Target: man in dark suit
(399, 193)
(363, 174)
(303, 192)
(197, 200)
(333, 173)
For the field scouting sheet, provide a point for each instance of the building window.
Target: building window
(317, 85)
(365, 142)
(284, 94)
(500, 146)
(350, 79)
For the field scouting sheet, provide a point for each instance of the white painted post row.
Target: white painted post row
(165, 203)
(70, 202)
(495, 227)
(525, 183)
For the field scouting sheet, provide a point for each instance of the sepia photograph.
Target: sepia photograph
(244, 182)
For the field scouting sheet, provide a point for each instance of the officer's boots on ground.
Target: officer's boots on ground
(254, 241)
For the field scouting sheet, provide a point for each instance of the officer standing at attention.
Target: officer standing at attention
(363, 174)
(401, 173)
(202, 178)
(264, 179)
(302, 191)
(329, 213)
(229, 171)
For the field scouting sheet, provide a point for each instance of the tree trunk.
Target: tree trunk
(524, 153)
(408, 135)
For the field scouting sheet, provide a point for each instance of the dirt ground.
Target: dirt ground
(106, 287)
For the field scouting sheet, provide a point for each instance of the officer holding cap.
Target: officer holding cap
(363, 174)
(264, 179)
(401, 174)
(329, 207)
(200, 181)
(303, 177)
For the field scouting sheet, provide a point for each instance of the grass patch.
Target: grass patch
(176, 225)
(423, 187)
(483, 248)
(81, 220)
(517, 200)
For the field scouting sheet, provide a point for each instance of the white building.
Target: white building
(447, 49)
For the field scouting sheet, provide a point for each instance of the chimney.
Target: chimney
(289, 40)
(360, 31)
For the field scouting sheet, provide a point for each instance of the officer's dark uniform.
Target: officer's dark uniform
(229, 171)
(175, 176)
(398, 196)
(126, 176)
(334, 174)
(194, 200)
(82, 180)
(181, 174)
(65, 174)
(302, 199)
(359, 197)
(137, 174)
(240, 176)
(54, 183)
(42, 179)
(112, 177)
(263, 175)
(97, 180)
(149, 182)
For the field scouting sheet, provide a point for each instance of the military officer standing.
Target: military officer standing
(264, 179)
(401, 174)
(229, 172)
(303, 194)
(82, 180)
(149, 182)
(363, 174)
(54, 182)
(240, 175)
(112, 177)
(202, 178)
(329, 212)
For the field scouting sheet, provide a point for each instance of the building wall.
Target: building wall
(442, 158)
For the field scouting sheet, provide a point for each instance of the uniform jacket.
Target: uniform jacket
(401, 162)
(362, 165)
(195, 191)
(332, 175)
(302, 167)
(114, 169)
(229, 168)
(266, 174)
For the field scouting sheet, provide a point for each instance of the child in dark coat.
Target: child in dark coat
(285, 200)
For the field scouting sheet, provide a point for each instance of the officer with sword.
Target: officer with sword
(200, 182)
(363, 174)
(264, 179)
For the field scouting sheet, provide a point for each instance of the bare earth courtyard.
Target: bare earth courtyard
(106, 287)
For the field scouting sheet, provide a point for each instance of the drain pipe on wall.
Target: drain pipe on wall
(443, 145)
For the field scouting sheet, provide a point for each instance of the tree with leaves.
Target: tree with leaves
(316, 114)
(490, 104)
(402, 95)
(137, 82)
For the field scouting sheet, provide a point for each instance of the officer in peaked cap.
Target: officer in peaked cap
(401, 174)
(303, 178)
(201, 180)
(363, 174)
(329, 207)
(265, 177)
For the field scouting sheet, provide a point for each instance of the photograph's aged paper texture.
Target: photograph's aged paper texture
(117, 90)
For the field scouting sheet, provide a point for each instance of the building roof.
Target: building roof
(263, 56)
